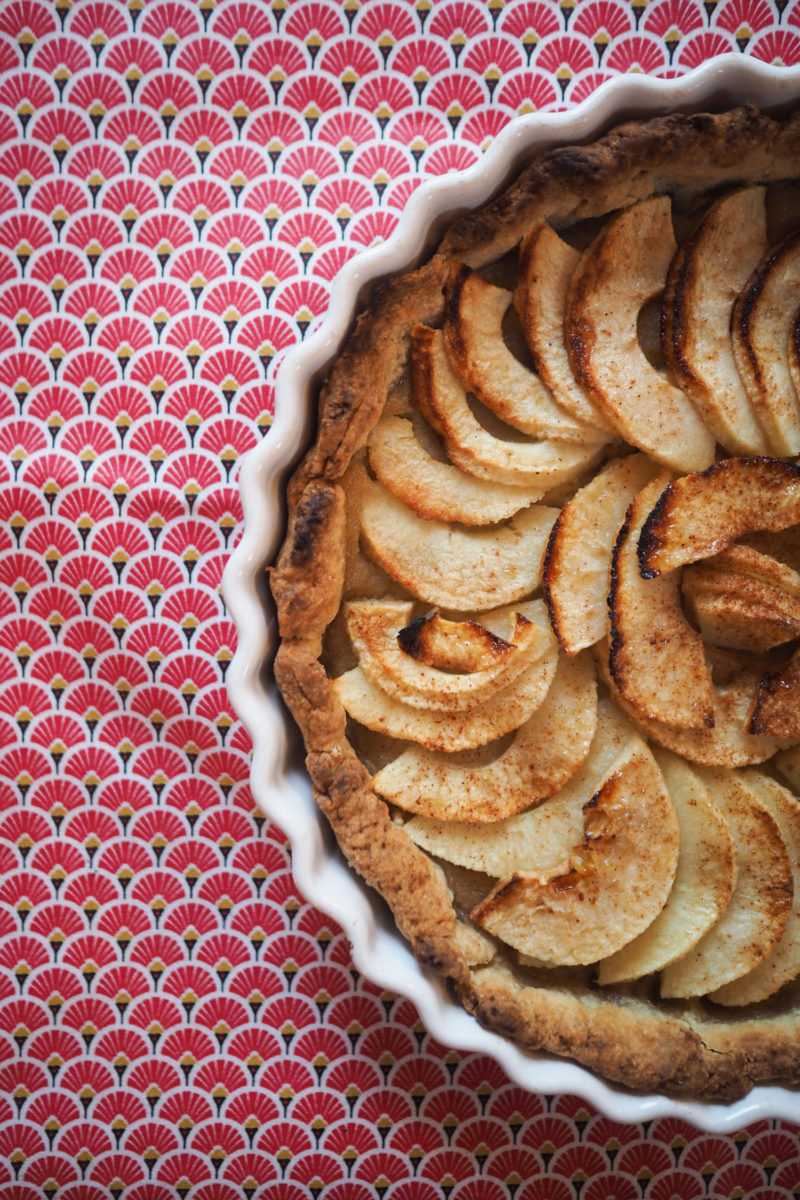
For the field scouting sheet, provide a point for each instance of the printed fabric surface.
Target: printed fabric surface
(180, 182)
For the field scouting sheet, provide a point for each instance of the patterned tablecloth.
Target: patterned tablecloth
(180, 182)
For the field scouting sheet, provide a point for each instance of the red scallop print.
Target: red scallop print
(314, 18)
(24, 86)
(95, 88)
(779, 47)
(637, 52)
(60, 129)
(22, 15)
(442, 1104)
(275, 130)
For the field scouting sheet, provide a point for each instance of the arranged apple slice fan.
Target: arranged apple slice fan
(583, 699)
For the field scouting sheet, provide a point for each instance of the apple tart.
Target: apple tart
(539, 604)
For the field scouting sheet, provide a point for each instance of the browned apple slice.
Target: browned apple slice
(776, 711)
(754, 921)
(749, 565)
(546, 751)
(618, 878)
(788, 765)
(703, 513)
(442, 400)
(704, 281)
(734, 622)
(744, 599)
(452, 645)
(624, 268)
(656, 658)
(444, 730)
(762, 327)
(541, 838)
(462, 569)
(546, 265)
(794, 351)
(783, 964)
(704, 881)
(578, 557)
(728, 743)
(375, 625)
(437, 490)
(473, 335)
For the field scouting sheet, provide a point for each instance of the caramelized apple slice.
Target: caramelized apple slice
(442, 400)
(763, 320)
(618, 877)
(744, 599)
(794, 351)
(776, 710)
(749, 565)
(545, 267)
(624, 268)
(704, 881)
(452, 645)
(578, 556)
(541, 838)
(375, 625)
(437, 490)
(704, 281)
(546, 751)
(734, 622)
(656, 658)
(783, 963)
(473, 335)
(754, 921)
(463, 569)
(509, 708)
(701, 514)
(728, 743)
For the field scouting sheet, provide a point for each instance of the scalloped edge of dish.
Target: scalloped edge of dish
(279, 783)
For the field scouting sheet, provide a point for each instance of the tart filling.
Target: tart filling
(540, 604)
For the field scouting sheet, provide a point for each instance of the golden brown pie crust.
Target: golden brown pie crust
(688, 1049)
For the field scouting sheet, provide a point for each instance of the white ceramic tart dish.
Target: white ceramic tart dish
(537, 602)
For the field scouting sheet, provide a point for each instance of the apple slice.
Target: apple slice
(703, 513)
(656, 658)
(442, 400)
(578, 556)
(788, 765)
(727, 743)
(748, 565)
(743, 598)
(783, 964)
(794, 352)
(546, 751)
(473, 335)
(546, 265)
(762, 325)
(776, 711)
(375, 626)
(735, 622)
(624, 268)
(756, 917)
(437, 490)
(703, 885)
(617, 881)
(541, 838)
(452, 645)
(703, 283)
(444, 730)
(462, 569)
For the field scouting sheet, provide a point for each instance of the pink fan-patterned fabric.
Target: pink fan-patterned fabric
(180, 182)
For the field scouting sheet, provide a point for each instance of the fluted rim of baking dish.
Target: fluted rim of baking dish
(279, 783)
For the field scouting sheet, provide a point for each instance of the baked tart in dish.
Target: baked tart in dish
(539, 604)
